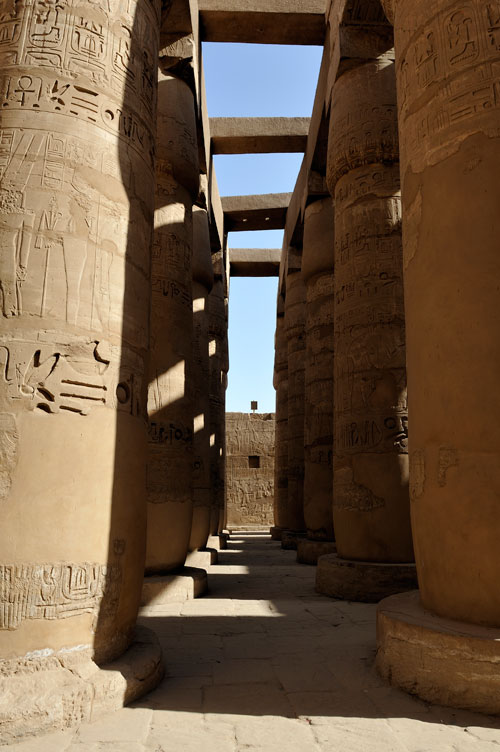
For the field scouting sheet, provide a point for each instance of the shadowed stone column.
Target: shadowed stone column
(170, 403)
(445, 646)
(77, 131)
(295, 304)
(203, 278)
(317, 272)
(280, 382)
(371, 504)
(217, 328)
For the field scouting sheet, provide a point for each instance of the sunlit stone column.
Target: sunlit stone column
(280, 382)
(447, 62)
(317, 272)
(77, 123)
(170, 398)
(371, 504)
(295, 303)
(203, 278)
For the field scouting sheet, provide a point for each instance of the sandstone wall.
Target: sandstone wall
(250, 469)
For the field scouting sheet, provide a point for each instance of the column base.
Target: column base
(219, 542)
(308, 551)
(39, 695)
(202, 558)
(290, 539)
(442, 661)
(184, 585)
(363, 581)
(276, 533)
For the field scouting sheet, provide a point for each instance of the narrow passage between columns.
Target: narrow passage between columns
(263, 663)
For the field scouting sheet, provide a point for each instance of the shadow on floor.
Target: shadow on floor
(263, 643)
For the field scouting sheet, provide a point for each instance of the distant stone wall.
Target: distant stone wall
(250, 470)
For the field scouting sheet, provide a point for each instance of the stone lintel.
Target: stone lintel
(266, 211)
(254, 262)
(441, 661)
(258, 135)
(263, 21)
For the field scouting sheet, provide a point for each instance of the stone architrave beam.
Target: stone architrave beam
(259, 135)
(254, 262)
(264, 211)
(263, 21)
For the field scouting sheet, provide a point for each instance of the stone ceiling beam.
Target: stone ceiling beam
(264, 211)
(254, 262)
(258, 135)
(263, 21)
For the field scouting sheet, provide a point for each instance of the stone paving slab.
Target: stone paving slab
(263, 663)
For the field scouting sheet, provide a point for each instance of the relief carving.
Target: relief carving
(9, 438)
(455, 54)
(54, 591)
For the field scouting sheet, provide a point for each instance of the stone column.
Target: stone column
(217, 327)
(371, 505)
(225, 371)
(280, 382)
(317, 272)
(170, 398)
(202, 284)
(447, 73)
(77, 128)
(295, 301)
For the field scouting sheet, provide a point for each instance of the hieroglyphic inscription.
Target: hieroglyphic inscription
(54, 591)
(250, 490)
(75, 378)
(113, 46)
(361, 136)
(370, 376)
(448, 77)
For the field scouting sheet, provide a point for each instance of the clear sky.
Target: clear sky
(249, 80)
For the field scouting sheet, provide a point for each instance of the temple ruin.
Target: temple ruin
(122, 480)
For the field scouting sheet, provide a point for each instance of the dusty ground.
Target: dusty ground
(263, 664)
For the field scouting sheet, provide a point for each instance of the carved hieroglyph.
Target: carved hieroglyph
(448, 79)
(250, 470)
(281, 425)
(77, 123)
(202, 284)
(317, 271)
(170, 396)
(218, 361)
(371, 504)
(295, 304)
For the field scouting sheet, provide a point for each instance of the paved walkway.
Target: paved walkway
(264, 664)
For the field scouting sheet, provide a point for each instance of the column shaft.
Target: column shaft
(202, 284)
(371, 505)
(217, 326)
(317, 271)
(170, 398)
(450, 157)
(76, 203)
(295, 333)
(281, 428)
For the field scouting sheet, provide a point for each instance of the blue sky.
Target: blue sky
(256, 80)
